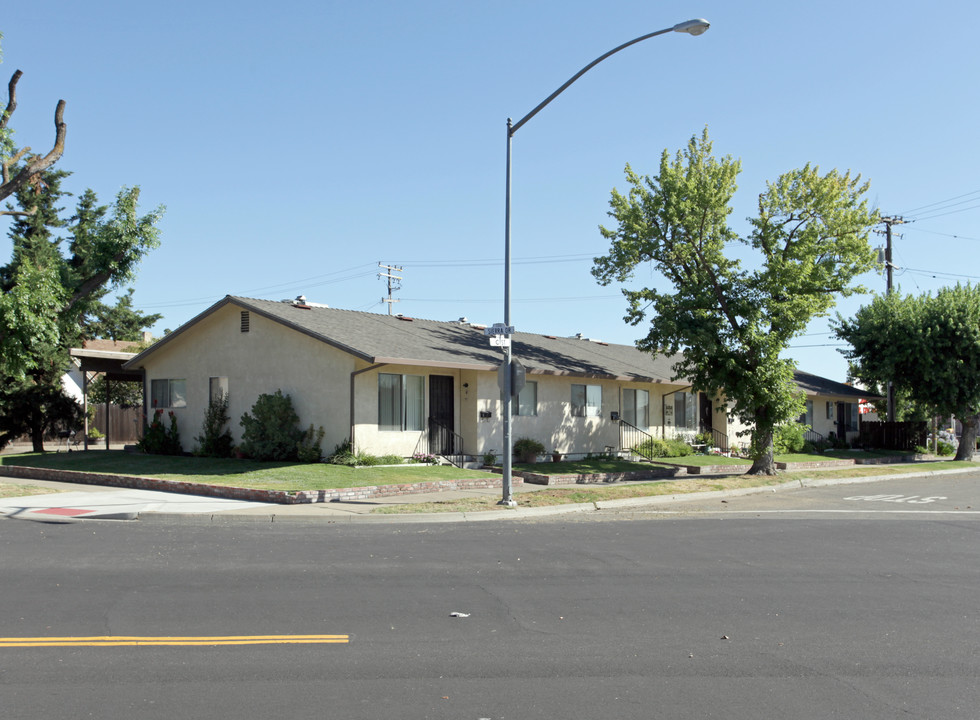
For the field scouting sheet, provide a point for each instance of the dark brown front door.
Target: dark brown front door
(706, 416)
(441, 424)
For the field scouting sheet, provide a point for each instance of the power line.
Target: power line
(944, 214)
(936, 273)
(524, 300)
(942, 202)
(950, 235)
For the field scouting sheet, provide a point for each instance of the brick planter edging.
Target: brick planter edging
(810, 465)
(589, 478)
(705, 469)
(279, 497)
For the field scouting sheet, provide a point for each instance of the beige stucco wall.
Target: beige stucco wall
(268, 357)
(824, 425)
(554, 426)
(821, 423)
(369, 438)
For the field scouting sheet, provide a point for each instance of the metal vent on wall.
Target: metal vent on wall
(244, 320)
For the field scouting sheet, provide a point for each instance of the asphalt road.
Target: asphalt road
(807, 604)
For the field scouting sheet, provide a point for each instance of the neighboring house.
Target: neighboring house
(399, 385)
(832, 408)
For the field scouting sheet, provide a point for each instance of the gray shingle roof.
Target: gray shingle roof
(411, 341)
(395, 339)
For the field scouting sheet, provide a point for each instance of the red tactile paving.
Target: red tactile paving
(70, 512)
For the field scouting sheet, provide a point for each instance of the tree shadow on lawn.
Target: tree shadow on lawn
(120, 462)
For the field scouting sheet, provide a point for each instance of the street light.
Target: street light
(691, 27)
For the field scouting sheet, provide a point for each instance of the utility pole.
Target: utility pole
(393, 283)
(889, 267)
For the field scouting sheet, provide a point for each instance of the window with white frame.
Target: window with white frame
(685, 410)
(526, 402)
(401, 402)
(636, 408)
(168, 393)
(586, 400)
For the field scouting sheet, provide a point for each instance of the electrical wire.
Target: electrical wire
(941, 202)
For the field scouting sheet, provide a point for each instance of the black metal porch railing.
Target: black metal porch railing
(634, 440)
(719, 439)
(811, 436)
(440, 439)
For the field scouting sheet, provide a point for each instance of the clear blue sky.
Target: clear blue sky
(296, 144)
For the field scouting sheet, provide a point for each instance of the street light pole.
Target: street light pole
(691, 27)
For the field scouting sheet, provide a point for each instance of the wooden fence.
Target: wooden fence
(893, 435)
(126, 423)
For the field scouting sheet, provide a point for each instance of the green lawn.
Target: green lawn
(582, 467)
(293, 477)
(705, 460)
(286, 476)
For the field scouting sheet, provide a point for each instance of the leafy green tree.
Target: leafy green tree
(37, 410)
(28, 320)
(809, 240)
(120, 321)
(928, 346)
(105, 246)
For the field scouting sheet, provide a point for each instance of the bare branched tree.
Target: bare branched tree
(34, 164)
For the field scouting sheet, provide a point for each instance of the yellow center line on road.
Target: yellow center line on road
(133, 640)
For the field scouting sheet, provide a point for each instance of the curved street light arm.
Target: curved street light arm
(692, 27)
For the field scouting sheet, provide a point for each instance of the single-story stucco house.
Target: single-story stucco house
(401, 385)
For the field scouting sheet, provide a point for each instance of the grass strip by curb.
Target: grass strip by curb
(590, 494)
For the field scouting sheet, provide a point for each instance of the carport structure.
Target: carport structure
(110, 364)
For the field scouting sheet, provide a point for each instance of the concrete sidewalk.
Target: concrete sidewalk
(72, 502)
(75, 501)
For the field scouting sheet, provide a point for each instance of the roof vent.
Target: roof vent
(405, 318)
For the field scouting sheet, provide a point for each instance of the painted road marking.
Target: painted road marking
(913, 499)
(134, 641)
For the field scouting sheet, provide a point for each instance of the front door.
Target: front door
(441, 414)
(706, 415)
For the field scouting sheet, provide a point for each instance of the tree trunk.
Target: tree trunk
(762, 452)
(968, 440)
(37, 438)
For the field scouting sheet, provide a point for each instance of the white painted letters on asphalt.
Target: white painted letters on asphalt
(911, 499)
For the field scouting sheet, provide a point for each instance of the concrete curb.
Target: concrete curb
(160, 518)
(320, 513)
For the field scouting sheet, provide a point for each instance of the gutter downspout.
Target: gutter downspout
(352, 376)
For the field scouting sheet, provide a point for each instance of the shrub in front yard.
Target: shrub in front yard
(944, 448)
(656, 448)
(308, 449)
(158, 439)
(215, 439)
(789, 438)
(273, 432)
(527, 449)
